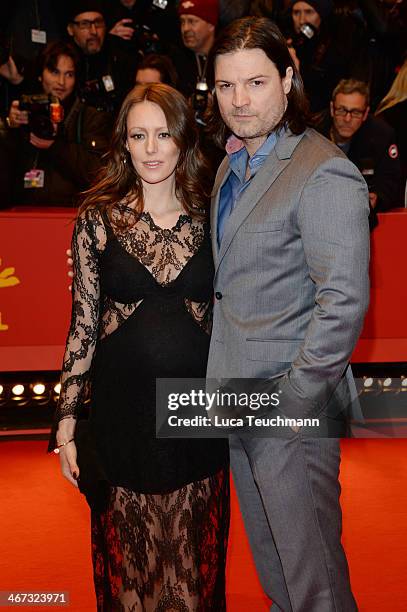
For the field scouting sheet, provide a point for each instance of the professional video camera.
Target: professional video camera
(43, 111)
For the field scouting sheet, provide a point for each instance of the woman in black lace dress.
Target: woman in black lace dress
(142, 298)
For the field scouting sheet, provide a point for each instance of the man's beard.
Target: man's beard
(93, 46)
(248, 132)
(261, 127)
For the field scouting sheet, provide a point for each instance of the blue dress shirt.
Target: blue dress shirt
(236, 182)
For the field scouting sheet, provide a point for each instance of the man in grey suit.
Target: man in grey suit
(291, 248)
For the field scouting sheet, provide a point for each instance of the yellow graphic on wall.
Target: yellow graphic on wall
(7, 279)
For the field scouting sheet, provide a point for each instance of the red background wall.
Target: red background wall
(34, 312)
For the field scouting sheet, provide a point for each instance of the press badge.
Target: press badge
(108, 82)
(34, 179)
(39, 36)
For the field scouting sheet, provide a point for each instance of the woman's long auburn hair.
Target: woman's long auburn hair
(118, 182)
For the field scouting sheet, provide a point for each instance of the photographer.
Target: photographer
(144, 26)
(105, 68)
(328, 47)
(54, 142)
(198, 22)
(368, 142)
(198, 25)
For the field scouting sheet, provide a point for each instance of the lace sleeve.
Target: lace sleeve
(88, 241)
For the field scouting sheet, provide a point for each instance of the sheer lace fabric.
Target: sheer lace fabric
(142, 300)
(156, 553)
(164, 253)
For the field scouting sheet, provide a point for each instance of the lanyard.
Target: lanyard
(201, 70)
(37, 14)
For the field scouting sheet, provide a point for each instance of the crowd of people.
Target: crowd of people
(94, 52)
(272, 292)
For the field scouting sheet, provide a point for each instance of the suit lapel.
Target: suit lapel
(272, 167)
(221, 176)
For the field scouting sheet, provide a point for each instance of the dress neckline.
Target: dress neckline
(183, 218)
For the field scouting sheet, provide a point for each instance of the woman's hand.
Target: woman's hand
(67, 452)
(69, 467)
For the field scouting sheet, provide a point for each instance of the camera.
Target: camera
(43, 111)
(161, 4)
(99, 93)
(306, 33)
(145, 41)
(200, 97)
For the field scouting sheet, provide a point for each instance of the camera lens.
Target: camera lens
(307, 30)
(41, 126)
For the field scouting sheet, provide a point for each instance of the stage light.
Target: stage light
(387, 383)
(18, 390)
(39, 389)
(57, 388)
(404, 382)
(368, 382)
(1, 389)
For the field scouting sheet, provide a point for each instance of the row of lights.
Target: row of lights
(37, 388)
(39, 392)
(385, 384)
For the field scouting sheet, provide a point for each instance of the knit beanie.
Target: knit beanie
(208, 10)
(322, 7)
(77, 7)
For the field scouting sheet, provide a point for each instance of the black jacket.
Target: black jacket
(373, 149)
(69, 164)
(112, 61)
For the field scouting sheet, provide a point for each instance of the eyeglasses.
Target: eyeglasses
(86, 24)
(355, 113)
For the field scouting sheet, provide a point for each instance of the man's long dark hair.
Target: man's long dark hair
(260, 33)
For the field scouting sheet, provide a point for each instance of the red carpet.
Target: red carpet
(44, 538)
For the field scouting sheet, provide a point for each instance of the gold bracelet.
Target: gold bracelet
(56, 449)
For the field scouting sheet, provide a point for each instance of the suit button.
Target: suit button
(218, 295)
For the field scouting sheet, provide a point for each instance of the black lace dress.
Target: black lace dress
(142, 302)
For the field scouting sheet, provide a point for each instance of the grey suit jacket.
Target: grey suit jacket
(291, 274)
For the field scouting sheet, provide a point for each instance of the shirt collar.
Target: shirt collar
(238, 155)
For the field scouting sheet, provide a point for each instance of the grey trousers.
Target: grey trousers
(288, 493)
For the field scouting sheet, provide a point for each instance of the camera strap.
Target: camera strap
(201, 69)
(38, 35)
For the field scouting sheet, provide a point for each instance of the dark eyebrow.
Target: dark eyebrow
(253, 78)
(137, 127)
(259, 76)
